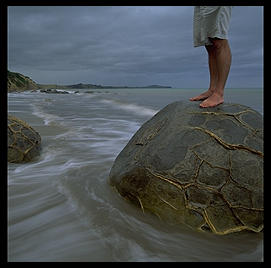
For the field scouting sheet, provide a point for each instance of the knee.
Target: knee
(219, 44)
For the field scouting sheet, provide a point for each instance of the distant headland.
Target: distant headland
(18, 82)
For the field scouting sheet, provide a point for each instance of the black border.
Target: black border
(3, 80)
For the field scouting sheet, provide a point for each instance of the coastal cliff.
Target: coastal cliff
(19, 82)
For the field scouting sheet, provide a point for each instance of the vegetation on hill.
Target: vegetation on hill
(19, 82)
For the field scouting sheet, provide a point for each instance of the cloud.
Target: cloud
(135, 44)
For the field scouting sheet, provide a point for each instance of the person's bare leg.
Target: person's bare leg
(213, 75)
(223, 63)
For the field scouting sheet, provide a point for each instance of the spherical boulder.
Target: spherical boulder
(199, 167)
(24, 143)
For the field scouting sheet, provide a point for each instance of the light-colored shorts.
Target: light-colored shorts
(210, 21)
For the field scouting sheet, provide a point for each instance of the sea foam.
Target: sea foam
(131, 107)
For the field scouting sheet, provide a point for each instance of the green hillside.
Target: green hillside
(19, 82)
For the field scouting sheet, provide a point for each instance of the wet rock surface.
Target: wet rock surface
(24, 143)
(200, 167)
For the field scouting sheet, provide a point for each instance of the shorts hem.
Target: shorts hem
(208, 42)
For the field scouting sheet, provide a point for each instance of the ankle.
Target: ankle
(211, 90)
(219, 93)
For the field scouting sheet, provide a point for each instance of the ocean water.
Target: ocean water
(61, 206)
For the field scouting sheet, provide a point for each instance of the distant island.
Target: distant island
(18, 82)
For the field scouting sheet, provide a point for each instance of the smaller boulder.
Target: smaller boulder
(24, 143)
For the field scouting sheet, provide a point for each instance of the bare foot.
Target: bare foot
(202, 96)
(214, 100)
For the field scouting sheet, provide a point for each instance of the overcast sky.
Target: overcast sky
(133, 46)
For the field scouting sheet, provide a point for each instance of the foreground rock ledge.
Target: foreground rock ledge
(24, 143)
(199, 167)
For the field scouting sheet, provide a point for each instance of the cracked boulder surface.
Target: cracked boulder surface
(202, 167)
(24, 143)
